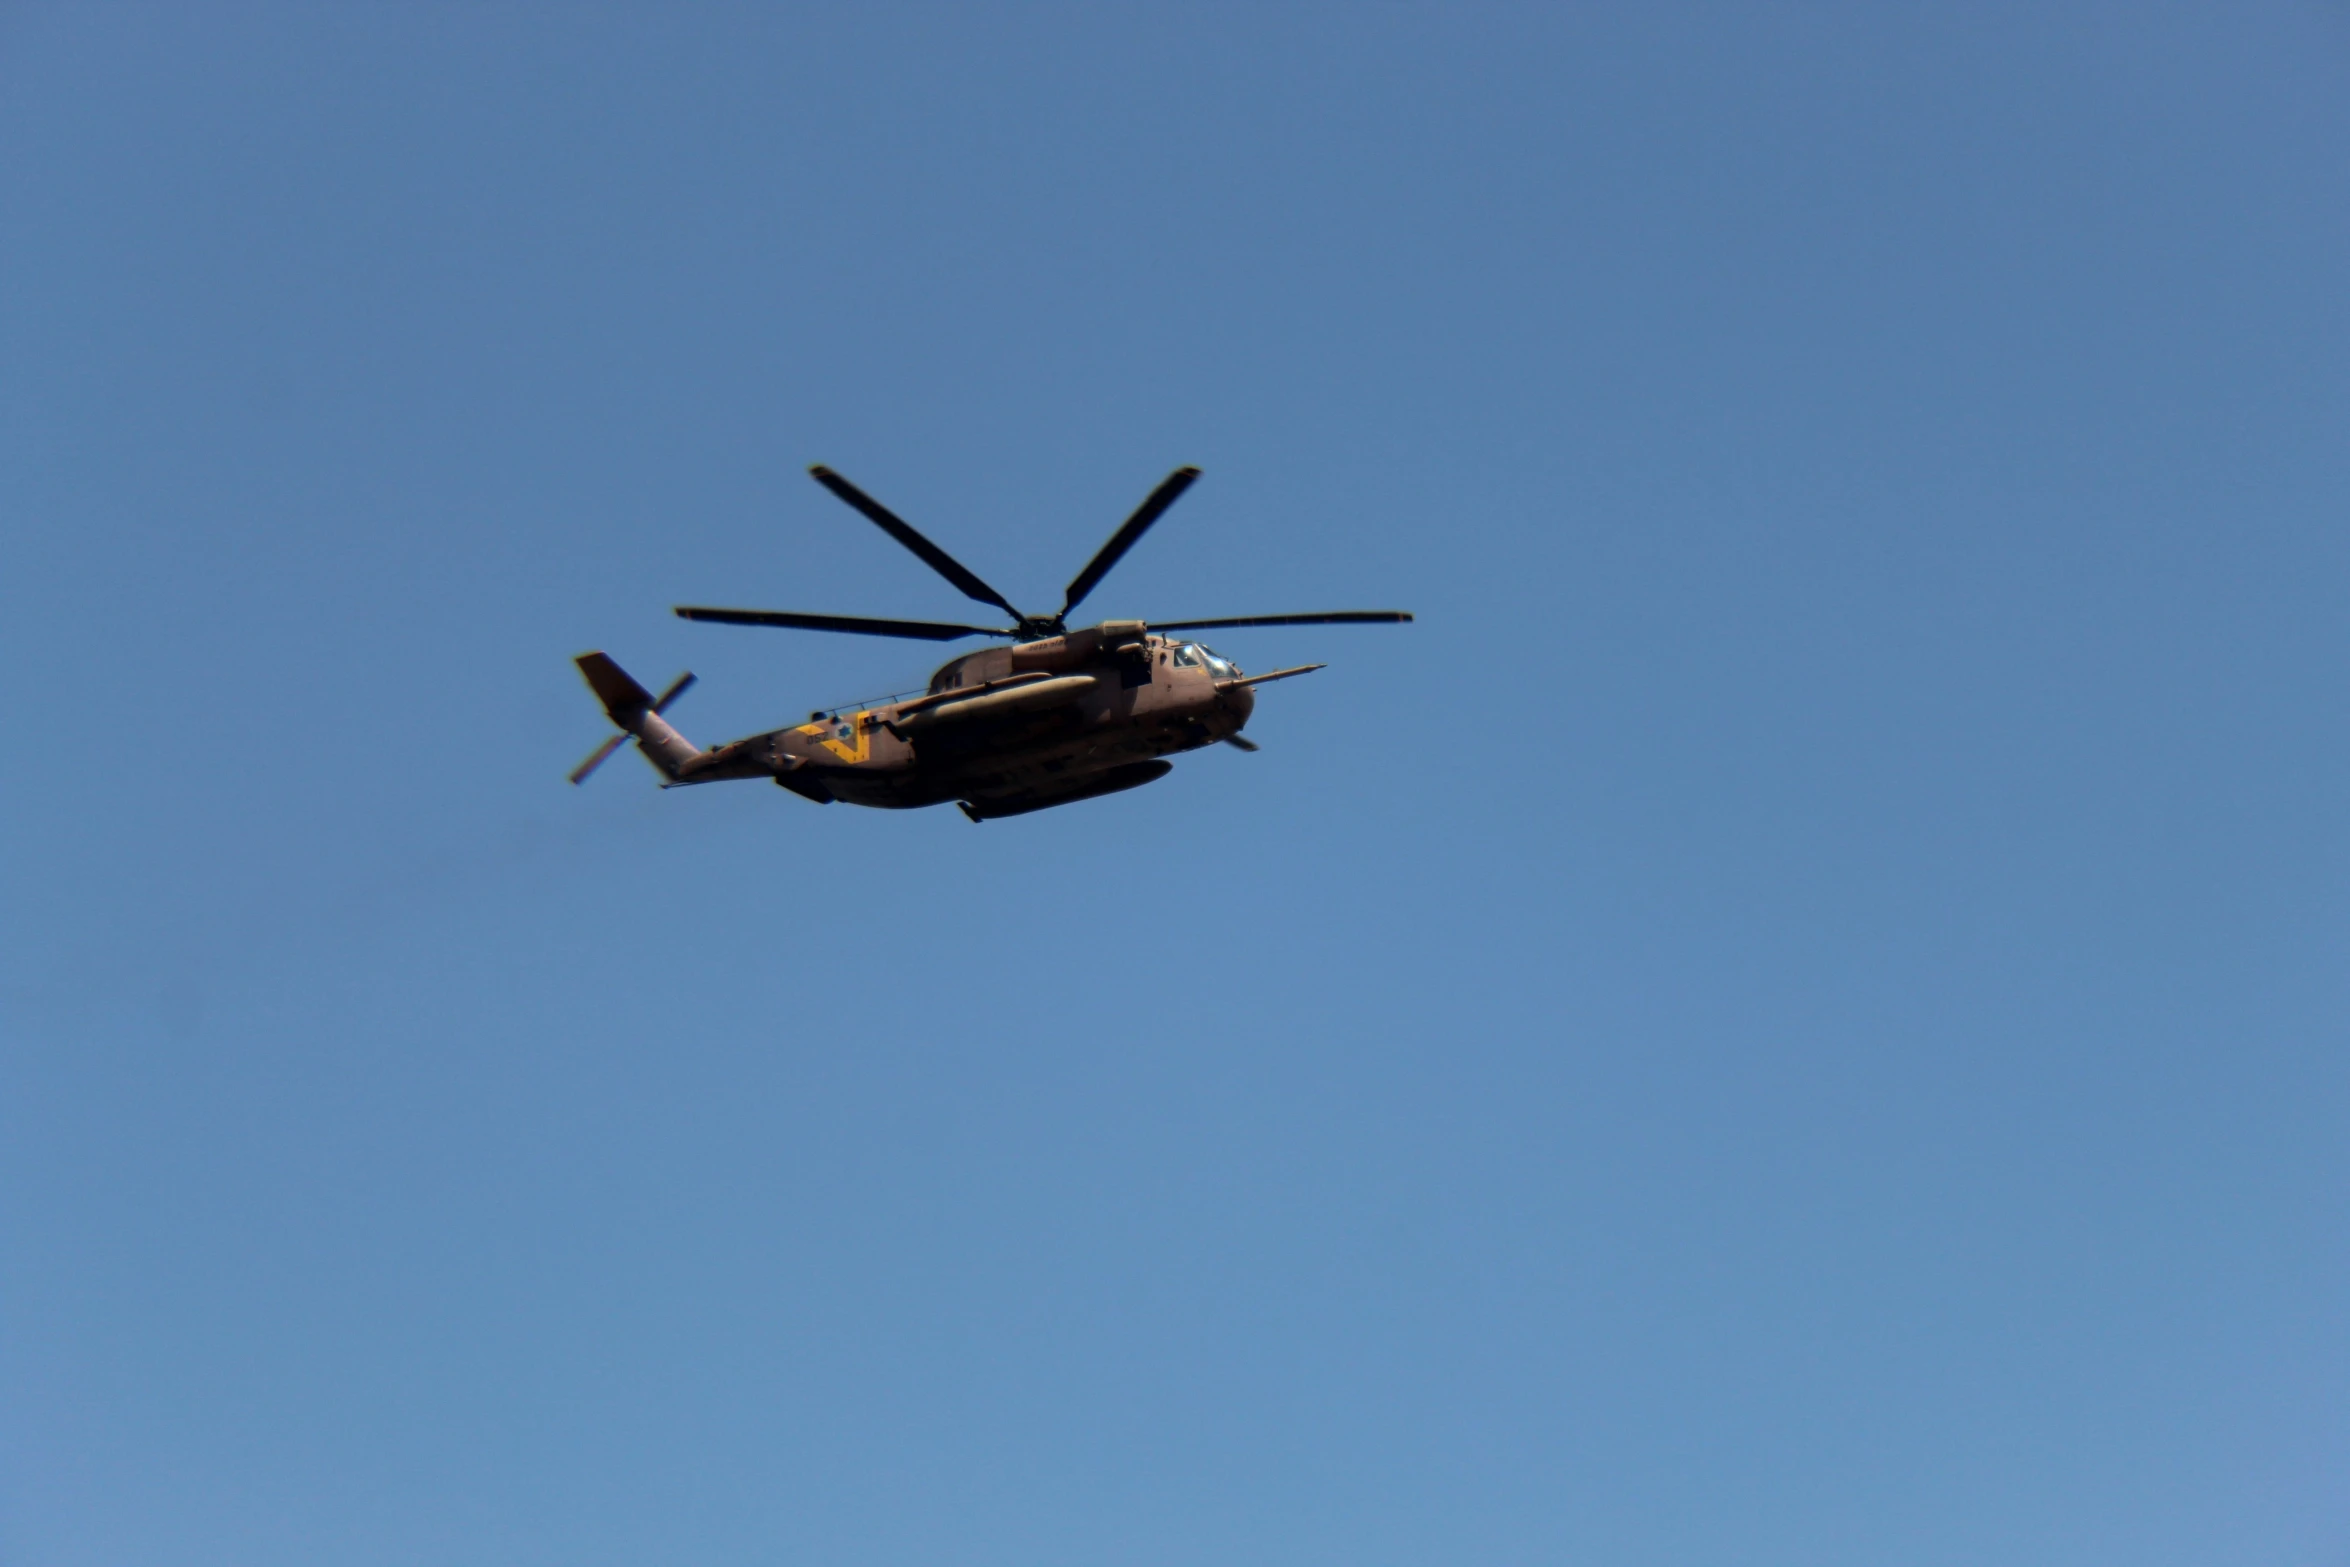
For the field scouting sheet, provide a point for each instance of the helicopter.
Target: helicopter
(1056, 717)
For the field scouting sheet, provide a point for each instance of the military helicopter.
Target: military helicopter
(1056, 717)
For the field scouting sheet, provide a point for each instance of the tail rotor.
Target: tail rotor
(677, 688)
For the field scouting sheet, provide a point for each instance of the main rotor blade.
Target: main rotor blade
(921, 630)
(1336, 617)
(936, 559)
(1154, 506)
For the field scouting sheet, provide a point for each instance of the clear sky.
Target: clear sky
(1796, 1017)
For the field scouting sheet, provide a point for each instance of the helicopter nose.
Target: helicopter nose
(1240, 701)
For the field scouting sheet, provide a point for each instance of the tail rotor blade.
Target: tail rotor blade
(1154, 506)
(579, 774)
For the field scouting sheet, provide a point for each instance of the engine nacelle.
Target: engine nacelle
(1076, 649)
(1029, 696)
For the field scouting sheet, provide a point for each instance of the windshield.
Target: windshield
(1191, 655)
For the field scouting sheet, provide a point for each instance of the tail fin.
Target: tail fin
(636, 710)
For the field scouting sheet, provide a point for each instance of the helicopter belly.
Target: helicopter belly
(1111, 734)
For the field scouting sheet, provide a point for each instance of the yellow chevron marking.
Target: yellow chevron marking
(847, 738)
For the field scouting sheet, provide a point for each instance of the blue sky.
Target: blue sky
(1796, 1016)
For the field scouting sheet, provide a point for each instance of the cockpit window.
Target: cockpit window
(1191, 655)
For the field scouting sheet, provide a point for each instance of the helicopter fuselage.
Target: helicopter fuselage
(1006, 730)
